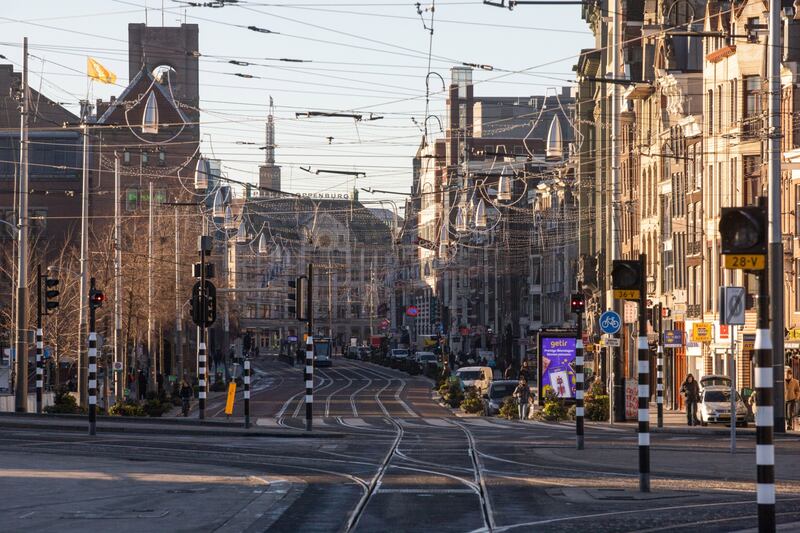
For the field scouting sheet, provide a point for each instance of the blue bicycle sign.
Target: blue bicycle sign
(610, 322)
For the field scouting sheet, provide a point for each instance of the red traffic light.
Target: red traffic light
(96, 298)
(578, 303)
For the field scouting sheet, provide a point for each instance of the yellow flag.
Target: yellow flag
(98, 72)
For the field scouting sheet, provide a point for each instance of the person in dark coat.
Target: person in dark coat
(186, 394)
(691, 392)
(142, 385)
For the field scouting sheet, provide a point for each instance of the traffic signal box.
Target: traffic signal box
(743, 232)
(96, 298)
(578, 303)
(51, 294)
(627, 279)
(298, 298)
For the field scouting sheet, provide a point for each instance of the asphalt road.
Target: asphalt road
(417, 468)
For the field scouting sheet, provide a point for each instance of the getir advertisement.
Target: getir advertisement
(557, 367)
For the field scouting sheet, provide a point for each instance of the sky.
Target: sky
(362, 56)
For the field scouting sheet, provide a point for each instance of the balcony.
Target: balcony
(694, 248)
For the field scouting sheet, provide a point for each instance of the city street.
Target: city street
(385, 458)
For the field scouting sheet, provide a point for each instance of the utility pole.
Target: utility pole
(775, 230)
(618, 388)
(82, 376)
(21, 348)
(119, 381)
(178, 306)
(644, 383)
(96, 299)
(151, 355)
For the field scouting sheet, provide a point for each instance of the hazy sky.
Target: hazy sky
(365, 55)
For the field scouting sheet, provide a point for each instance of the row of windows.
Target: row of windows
(158, 157)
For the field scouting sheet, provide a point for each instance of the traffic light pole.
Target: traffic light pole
(247, 392)
(765, 449)
(309, 371)
(92, 385)
(579, 383)
(658, 325)
(201, 338)
(39, 345)
(644, 384)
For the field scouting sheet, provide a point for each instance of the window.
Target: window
(145, 158)
(751, 119)
(752, 179)
(797, 285)
(536, 270)
(797, 209)
(536, 307)
(162, 157)
(734, 101)
(126, 157)
(710, 111)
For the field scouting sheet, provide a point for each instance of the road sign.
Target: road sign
(673, 338)
(626, 294)
(117, 366)
(612, 342)
(702, 332)
(745, 262)
(793, 335)
(731, 308)
(610, 322)
(412, 311)
(384, 324)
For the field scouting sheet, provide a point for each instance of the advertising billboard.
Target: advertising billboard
(557, 366)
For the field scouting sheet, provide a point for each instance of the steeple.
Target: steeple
(269, 174)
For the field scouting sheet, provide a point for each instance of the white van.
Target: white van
(479, 377)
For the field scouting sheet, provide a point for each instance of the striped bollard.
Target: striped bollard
(765, 448)
(92, 383)
(201, 379)
(660, 385)
(39, 371)
(247, 393)
(579, 384)
(309, 376)
(644, 415)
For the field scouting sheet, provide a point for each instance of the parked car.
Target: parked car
(363, 353)
(498, 391)
(479, 377)
(352, 352)
(398, 353)
(715, 406)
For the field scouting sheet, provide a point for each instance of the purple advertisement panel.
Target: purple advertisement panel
(558, 367)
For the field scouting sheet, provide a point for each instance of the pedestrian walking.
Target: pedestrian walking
(525, 371)
(186, 394)
(509, 373)
(691, 392)
(141, 385)
(523, 395)
(792, 398)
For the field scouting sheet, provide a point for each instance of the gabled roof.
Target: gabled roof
(134, 96)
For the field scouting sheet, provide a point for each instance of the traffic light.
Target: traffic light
(96, 298)
(627, 279)
(743, 232)
(204, 306)
(578, 303)
(51, 293)
(292, 297)
(434, 309)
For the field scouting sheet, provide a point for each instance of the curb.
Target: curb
(198, 430)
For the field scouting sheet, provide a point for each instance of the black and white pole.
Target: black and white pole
(309, 372)
(201, 372)
(660, 383)
(39, 370)
(247, 393)
(309, 377)
(765, 449)
(579, 384)
(39, 346)
(644, 384)
(92, 379)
